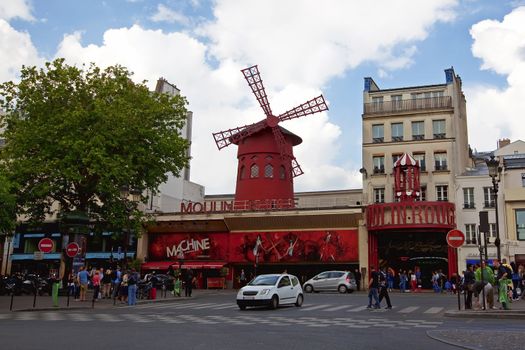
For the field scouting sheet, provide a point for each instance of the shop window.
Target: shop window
(254, 171)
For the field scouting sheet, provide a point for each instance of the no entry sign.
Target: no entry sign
(45, 245)
(72, 249)
(455, 238)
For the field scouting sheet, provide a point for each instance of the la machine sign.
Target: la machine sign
(187, 246)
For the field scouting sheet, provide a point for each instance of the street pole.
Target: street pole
(8, 238)
(497, 242)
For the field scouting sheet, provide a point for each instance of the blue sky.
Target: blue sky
(302, 48)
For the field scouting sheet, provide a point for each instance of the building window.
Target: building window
(492, 231)
(242, 173)
(422, 194)
(470, 233)
(379, 164)
(378, 133)
(520, 224)
(397, 103)
(282, 172)
(488, 195)
(418, 130)
(254, 171)
(379, 195)
(442, 193)
(420, 157)
(395, 157)
(377, 100)
(468, 198)
(438, 129)
(440, 161)
(268, 171)
(397, 131)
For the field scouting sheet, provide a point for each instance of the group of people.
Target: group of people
(107, 284)
(505, 281)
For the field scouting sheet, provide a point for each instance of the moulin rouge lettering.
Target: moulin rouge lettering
(187, 246)
(411, 213)
(230, 206)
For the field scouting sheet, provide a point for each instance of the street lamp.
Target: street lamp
(129, 204)
(495, 173)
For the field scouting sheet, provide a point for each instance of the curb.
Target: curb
(508, 314)
(433, 335)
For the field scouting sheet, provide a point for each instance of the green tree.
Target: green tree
(75, 136)
(7, 205)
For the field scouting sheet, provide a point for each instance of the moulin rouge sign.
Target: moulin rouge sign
(234, 206)
(411, 214)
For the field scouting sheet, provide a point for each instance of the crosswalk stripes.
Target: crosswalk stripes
(408, 309)
(340, 307)
(107, 318)
(315, 307)
(357, 309)
(53, 316)
(434, 310)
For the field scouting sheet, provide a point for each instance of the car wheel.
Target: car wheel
(242, 307)
(274, 303)
(308, 288)
(342, 289)
(299, 300)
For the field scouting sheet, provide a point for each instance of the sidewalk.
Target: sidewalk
(45, 303)
(517, 311)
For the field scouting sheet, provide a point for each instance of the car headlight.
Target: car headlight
(264, 292)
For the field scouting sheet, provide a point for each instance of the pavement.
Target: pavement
(517, 311)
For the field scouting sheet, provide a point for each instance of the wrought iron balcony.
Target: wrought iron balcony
(400, 106)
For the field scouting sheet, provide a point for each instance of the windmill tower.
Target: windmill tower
(266, 164)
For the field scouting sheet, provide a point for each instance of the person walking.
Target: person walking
(132, 287)
(55, 283)
(188, 285)
(373, 286)
(83, 280)
(383, 288)
(106, 284)
(484, 283)
(242, 278)
(96, 284)
(116, 279)
(504, 285)
(468, 281)
(357, 276)
(402, 281)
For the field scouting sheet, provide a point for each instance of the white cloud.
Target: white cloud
(299, 46)
(10, 9)
(17, 49)
(165, 14)
(501, 47)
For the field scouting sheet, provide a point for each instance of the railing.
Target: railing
(408, 105)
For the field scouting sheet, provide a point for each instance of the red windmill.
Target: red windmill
(266, 146)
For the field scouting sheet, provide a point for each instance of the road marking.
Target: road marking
(408, 310)
(337, 308)
(79, 317)
(137, 318)
(53, 316)
(434, 310)
(107, 318)
(4, 316)
(168, 319)
(206, 305)
(310, 308)
(172, 305)
(26, 316)
(223, 306)
(357, 309)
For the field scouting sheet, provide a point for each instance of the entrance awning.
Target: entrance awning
(195, 265)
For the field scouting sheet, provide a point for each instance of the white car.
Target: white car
(271, 290)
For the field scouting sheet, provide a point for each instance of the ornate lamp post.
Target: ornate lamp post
(495, 173)
(129, 203)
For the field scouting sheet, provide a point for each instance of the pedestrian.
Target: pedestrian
(504, 285)
(485, 281)
(96, 284)
(188, 285)
(132, 287)
(402, 281)
(390, 279)
(357, 276)
(468, 282)
(71, 284)
(413, 281)
(242, 278)
(55, 283)
(177, 286)
(106, 284)
(373, 286)
(383, 288)
(153, 280)
(83, 279)
(123, 288)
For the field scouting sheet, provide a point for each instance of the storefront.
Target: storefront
(254, 242)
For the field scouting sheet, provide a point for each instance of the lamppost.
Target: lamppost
(495, 173)
(129, 205)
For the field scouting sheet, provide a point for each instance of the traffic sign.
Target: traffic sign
(455, 238)
(72, 249)
(46, 245)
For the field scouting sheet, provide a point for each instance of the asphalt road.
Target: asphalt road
(211, 320)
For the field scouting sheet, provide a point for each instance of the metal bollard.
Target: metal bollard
(34, 300)
(12, 298)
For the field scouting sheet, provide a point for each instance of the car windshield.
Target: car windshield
(264, 281)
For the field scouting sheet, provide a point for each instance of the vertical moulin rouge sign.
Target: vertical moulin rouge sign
(323, 246)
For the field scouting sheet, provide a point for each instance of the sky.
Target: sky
(302, 48)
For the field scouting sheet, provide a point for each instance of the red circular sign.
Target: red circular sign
(72, 249)
(45, 245)
(455, 238)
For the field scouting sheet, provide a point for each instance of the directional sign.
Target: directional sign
(45, 245)
(455, 238)
(72, 249)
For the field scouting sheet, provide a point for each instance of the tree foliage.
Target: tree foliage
(7, 204)
(74, 136)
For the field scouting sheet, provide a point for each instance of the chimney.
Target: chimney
(503, 143)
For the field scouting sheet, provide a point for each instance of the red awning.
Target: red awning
(164, 265)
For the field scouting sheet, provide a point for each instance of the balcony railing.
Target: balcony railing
(417, 104)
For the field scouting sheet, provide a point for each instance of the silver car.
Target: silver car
(341, 281)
